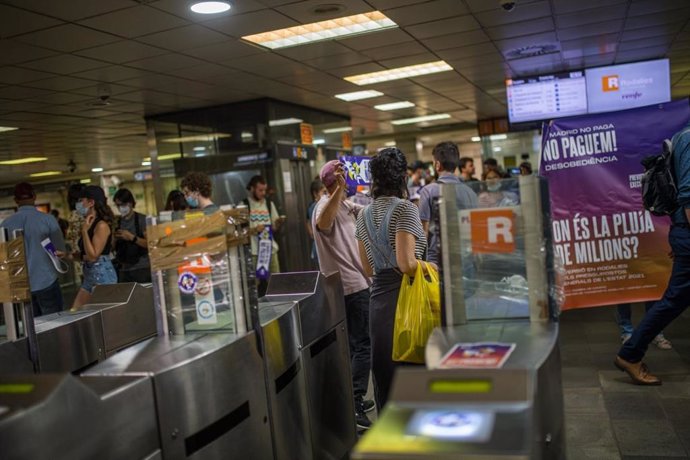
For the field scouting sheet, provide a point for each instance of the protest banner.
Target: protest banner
(611, 249)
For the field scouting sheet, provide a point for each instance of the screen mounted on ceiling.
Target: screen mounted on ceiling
(626, 86)
(546, 97)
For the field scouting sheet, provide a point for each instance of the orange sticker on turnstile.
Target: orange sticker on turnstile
(493, 231)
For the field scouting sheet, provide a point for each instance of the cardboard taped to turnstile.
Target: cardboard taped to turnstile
(13, 272)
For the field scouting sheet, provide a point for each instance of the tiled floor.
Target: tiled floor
(606, 416)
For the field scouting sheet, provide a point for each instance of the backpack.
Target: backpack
(659, 190)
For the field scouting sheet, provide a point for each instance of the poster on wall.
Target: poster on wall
(612, 251)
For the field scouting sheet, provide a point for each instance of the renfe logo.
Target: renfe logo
(493, 231)
(610, 83)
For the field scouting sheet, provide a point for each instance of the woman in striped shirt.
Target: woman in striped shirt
(391, 242)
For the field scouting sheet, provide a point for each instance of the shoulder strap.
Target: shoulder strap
(137, 229)
(246, 203)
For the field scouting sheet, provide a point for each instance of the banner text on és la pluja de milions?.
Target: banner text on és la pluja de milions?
(604, 238)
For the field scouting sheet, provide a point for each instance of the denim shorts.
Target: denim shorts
(99, 272)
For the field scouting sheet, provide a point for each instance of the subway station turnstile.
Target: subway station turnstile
(512, 412)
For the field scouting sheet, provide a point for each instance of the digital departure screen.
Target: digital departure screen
(546, 97)
(460, 386)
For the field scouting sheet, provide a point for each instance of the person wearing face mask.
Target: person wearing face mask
(197, 189)
(94, 243)
(131, 252)
(493, 196)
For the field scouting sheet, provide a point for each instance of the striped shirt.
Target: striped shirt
(405, 218)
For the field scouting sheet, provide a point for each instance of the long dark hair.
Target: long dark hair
(73, 195)
(175, 201)
(104, 212)
(388, 170)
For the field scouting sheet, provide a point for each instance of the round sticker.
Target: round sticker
(187, 282)
(203, 287)
(204, 309)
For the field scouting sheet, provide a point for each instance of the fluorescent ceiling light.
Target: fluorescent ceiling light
(199, 149)
(476, 139)
(408, 121)
(319, 141)
(322, 30)
(284, 121)
(45, 174)
(497, 149)
(390, 144)
(169, 156)
(342, 129)
(21, 161)
(210, 7)
(498, 137)
(7, 128)
(85, 181)
(210, 137)
(96, 169)
(146, 163)
(394, 105)
(401, 72)
(359, 95)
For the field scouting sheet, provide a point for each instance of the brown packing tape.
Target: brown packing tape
(13, 272)
(167, 257)
(176, 233)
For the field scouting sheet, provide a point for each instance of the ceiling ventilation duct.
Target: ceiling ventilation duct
(530, 51)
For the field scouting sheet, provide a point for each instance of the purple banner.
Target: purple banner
(356, 172)
(612, 250)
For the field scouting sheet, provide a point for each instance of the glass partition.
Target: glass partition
(495, 256)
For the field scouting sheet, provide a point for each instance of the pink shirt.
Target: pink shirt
(337, 247)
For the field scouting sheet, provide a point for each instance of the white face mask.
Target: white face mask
(124, 210)
(493, 187)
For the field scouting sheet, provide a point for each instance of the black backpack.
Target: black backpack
(659, 190)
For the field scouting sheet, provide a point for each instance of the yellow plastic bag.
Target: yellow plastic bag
(417, 314)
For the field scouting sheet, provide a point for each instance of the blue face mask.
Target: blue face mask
(81, 209)
(192, 202)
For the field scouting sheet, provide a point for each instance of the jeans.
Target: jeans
(357, 313)
(671, 305)
(48, 300)
(99, 272)
(140, 275)
(624, 317)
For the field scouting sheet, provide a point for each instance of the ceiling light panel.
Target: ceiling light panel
(285, 121)
(210, 7)
(323, 30)
(21, 161)
(197, 138)
(343, 129)
(359, 95)
(45, 174)
(409, 121)
(7, 128)
(395, 105)
(409, 71)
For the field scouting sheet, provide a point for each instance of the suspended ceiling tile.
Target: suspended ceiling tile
(644, 43)
(61, 83)
(356, 70)
(590, 30)
(207, 72)
(15, 21)
(657, 19)
(64, 64)
(386, 4)
(13, 52)
(134, 22)
(14, 75)
(71, 10)
(67, 38)
(548, 38)
(426, 12)
(569, 6)
(644, 7)
(521, 13)
(462, 54)
(393, 51)
(225, 51)
(165, 62)
(477, 6)
(456, 40)
(669, 30)
(184, 38)
(640, 54)
(268, 64)
(338, 60)
(589, 16)
(122, 51)
(589, 46)
(408, 60)
(110, 74)
(443, 27)
(302, 12)
(250, 23)
(377, 40)
(518, 29)
(314, 50)
(9, 105)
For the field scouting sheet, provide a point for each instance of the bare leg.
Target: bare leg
(82, 298)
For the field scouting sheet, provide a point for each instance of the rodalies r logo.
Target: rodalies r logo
(610, 83)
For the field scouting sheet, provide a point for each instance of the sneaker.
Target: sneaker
(662, 342)
(363, 422)
(625, 337)
(368, 405)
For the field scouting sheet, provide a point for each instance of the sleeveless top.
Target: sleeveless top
(106, 249)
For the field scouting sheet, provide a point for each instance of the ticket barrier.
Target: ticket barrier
(208, 392)
(323, 346)
(515, 411)
(115, 418)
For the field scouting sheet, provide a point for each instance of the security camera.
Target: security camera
(71, 166)
(508, 5)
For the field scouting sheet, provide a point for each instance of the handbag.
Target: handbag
(418, 312)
